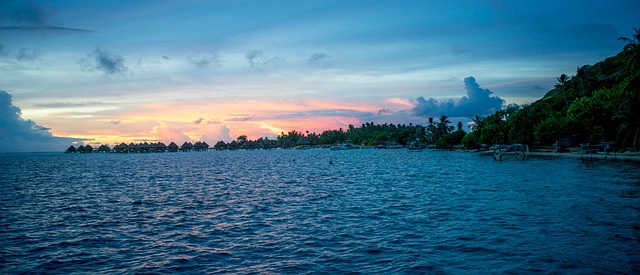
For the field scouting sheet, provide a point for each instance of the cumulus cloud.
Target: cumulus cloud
(477, 102)
(106, 62)
(31, 16)
(319, 60)
(167, 133)
(19, 135)
(180, 132)
(214, 133)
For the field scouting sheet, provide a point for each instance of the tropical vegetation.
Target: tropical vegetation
(601, 102)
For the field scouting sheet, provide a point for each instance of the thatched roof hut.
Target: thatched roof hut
(219, 145)
(200, 146)
(71, 149)
(87, 149)
(173, 147)
(104, 148)
(160, 147)
(186, 146)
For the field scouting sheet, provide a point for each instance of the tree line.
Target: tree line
(601, 102)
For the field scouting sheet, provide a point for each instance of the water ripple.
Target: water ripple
(290, 211)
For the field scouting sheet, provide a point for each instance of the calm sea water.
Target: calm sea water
(291, 211)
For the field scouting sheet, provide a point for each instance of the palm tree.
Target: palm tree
(562, 80)
(633, 49)
(629, 115)
(478, 122)
(431, 130)
(443, 126)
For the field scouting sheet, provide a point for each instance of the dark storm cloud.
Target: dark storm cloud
(477, 102)
(105, 62)
(19, 135)
(30, 16)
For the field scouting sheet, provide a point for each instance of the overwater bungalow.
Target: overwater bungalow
(200, 146)
(71, 149)
(173, 147)
(186, 146)
(220, 145)
(160, 147)
(232, 145)
(104, 149)
(87, 149)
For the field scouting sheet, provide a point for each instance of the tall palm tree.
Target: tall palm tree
(629, 115)
(562, 80)
(443, 126)
(478, 122)
(633, 49)
(431, 130)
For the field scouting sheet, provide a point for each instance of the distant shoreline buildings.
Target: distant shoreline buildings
(160, 147)
(145, 147)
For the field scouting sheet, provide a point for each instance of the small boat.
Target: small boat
(414, 147)
(344, 146)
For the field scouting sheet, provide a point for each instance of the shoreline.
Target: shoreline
(600, 156)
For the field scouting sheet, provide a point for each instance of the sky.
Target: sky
(106, 72)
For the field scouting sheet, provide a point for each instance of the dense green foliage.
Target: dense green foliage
(600, 102)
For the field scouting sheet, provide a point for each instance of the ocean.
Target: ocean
(316, 211)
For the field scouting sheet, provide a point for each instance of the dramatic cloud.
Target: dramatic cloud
(179, 132)
(19, 135)
(477, 102)
(319, 60)
(166, 133)
(30, 16)
(106, 62)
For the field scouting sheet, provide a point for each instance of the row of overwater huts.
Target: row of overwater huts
(186, 146)
(140, 148)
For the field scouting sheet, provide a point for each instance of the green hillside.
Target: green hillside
(601, 102)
